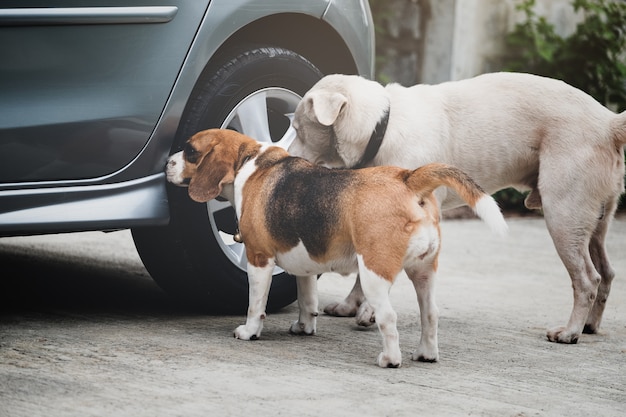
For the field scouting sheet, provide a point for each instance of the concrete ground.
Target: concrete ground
(85, 332)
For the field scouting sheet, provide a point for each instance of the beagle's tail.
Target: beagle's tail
(426, 179)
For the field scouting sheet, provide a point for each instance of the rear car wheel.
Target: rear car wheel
(195, 258)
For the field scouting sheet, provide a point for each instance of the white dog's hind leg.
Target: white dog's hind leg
(376, 289)
(308, 304)
(259, 280)
(365, 314)
(577, 222)
(601, 261)
(355, 305)
(424, 282)
(348, 307)
(572, 245)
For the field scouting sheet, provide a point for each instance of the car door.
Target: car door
(83, 83)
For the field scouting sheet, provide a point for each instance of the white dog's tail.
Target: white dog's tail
(426, 179)
(618, 129)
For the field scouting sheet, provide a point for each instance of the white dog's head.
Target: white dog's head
(336, 118)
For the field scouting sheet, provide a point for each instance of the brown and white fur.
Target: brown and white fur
(504, 130)
(309, 220)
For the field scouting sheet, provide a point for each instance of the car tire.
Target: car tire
(194, 257)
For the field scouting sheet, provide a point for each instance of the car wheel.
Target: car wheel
(195, 257)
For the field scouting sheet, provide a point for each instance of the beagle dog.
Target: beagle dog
(310, 220)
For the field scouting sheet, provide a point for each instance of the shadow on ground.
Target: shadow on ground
(40, 279)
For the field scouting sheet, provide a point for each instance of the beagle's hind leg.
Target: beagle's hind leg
(423, 280)
(376, 290)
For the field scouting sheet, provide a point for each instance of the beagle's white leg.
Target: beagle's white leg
(259, 280)
(424, 283)
(307, 302)
(376, 290)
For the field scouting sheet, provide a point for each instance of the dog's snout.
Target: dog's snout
(170, 166)
(174, 170)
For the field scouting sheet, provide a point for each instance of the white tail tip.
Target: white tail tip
(487, 209)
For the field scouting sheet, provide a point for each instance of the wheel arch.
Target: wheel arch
(304, 34)
(312, 38)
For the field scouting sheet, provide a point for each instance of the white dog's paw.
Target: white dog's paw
(242, 332)
(342, 309)
(389, 361)
(562, 335)
(307, 329)
(365, 315)
(425, 355)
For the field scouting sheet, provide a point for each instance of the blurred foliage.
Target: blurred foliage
(591, 59)
(381, 11)
(512, 201)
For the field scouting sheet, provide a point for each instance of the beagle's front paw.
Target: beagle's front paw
(242, 332)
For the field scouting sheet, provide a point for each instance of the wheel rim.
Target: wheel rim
(266, 115)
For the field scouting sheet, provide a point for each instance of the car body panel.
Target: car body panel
(94, 207)
(69, 143)
(83, 88)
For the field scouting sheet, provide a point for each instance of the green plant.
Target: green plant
(592, 58)
(381, 12)
(511, 200)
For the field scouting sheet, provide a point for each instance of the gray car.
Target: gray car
(95, 95)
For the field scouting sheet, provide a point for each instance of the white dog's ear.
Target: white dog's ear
(326, 106)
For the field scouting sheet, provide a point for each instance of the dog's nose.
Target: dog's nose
(170, 167)
(170, 163)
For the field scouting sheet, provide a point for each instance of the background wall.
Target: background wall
(431, 41)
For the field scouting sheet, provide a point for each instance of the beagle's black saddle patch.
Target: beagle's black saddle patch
(304, 203)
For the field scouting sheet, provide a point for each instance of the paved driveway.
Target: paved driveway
(84, 331)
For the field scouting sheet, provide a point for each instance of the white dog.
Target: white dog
(503, 129)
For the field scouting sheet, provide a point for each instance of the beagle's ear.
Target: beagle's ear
(326, 106)
(210, 178)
